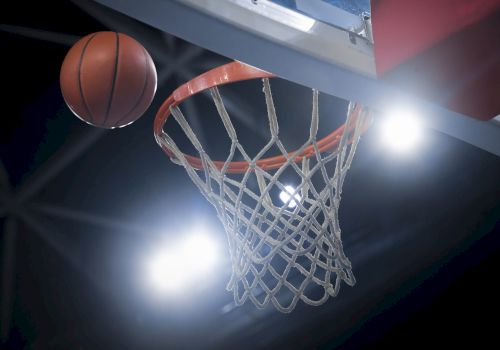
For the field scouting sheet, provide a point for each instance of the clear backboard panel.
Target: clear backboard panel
(339, 13)
(356, 7)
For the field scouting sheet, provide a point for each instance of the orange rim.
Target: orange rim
(230, 73)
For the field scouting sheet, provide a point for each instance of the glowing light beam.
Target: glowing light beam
(401, 131)
(175, 267)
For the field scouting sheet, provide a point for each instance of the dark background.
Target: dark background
(80, 207)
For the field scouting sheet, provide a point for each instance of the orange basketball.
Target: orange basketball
(108, 79)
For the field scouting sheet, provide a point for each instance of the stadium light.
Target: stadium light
(287, 193)
(173, 268)
(401, 130)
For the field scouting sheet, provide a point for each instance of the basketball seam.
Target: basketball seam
(80, 87)
(115, 73)
(143, 89)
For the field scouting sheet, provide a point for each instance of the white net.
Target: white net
(284, 241)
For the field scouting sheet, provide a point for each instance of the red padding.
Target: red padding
(447, 51)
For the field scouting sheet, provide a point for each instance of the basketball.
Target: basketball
(108, 79)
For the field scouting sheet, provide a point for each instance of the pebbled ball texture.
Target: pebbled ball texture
(108, 79)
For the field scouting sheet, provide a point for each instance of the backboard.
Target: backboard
(327, 45)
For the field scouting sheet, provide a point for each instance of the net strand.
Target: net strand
(280, 252)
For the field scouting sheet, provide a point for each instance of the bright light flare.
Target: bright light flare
(401, 131)
(200, 253)
(287, 194)
(165, 273)
(174, 268)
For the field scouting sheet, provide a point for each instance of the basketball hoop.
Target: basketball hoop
(280, 252)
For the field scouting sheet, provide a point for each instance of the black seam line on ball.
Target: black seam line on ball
(142, 92)
(115, 73)
(80, 77)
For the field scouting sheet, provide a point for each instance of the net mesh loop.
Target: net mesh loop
(287, 250)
